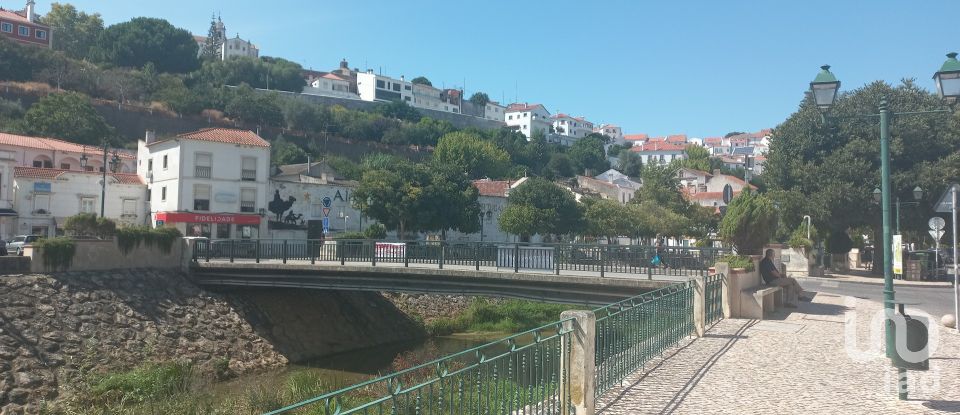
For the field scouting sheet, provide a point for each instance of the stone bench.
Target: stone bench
(759, 300)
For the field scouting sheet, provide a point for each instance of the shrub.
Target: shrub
(88, 225)
(57, 252)
(131, 237)
(748, 223)
(738, 261)
(839, 242)
(351, 235)
(145, 383)
(799, 241)
(376, 231)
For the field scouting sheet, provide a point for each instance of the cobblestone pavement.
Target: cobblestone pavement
(796, 363)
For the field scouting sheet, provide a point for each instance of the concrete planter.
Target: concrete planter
(102, 255)
(800, 263)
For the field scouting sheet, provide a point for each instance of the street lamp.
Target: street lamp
(824, 90)
(917, 196)
(114, 166)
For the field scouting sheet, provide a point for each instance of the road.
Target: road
(935, 301)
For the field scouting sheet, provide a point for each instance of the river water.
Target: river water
(356, 366)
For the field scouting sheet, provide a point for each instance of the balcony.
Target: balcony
(246, 206)
(202, 172)
(248, 175)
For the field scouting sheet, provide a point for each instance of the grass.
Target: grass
(508, 316)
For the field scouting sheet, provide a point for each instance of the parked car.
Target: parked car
(16, 244)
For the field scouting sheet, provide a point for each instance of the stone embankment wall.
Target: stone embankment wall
(432, 306)
(54, 326)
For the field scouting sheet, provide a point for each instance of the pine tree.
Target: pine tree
(211, 47)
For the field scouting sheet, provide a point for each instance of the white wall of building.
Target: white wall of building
(238, 47)
(529, 120)
(494, 112)
(373, 87)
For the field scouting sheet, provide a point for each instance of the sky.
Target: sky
(701, 68)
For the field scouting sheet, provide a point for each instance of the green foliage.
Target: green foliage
(246, 105)
(738, 261)
(472, 154)
(614, 149)
(538, 206)
(279, 73)
(75, 31)
(88, 225)
(375, 231)
(351, 236)
(798, 240)
(344, 167)
(748, 223)
(149, 382)
(480, 99)
(661, 186)
(129, 238)
(68, 116)
(838, 242)
(559, 166)
(698, 158)
(508, 316)
(144, 40)
(57, 252)
(608, 218)
(283, 152)
(629, 163)
(421, 80)
(398, 110)
(587, 153)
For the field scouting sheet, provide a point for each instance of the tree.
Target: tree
(132, 44)
(613, 150)
(587, 153)
(559, 166)
(252, 107)
(448, 201)
(211, 49)
(629, 163)
(262, 73)
(68, 116)
(480, 99)
(421, 80)
(607, 218)
(399, 110)
(284, 152)
(538, 206)
(76, 32)
(748, 223)
(733, 133)
(698, 158)
(472, 154)
(661, 186)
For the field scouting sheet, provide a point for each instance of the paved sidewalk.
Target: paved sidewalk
(795, 364)
(878, 280)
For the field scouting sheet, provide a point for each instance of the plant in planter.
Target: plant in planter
(738, 262)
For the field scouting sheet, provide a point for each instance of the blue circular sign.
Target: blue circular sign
(327, 201)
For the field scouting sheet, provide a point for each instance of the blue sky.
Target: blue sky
(702, 68)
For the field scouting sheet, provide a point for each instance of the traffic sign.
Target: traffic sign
(159, 222)
(326, 224)
(326, 212)
(937, 223)
(936, 234)
(326, 201)
(897, 254)
(727, 194)
(945, 204)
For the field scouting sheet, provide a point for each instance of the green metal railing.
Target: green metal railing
(633, 331)
(713, 298)
(522, 373)
(628, 259)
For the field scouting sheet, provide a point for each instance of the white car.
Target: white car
(16, 244)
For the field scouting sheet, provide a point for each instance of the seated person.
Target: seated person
(772, 277)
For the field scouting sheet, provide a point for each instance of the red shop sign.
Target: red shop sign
(171, 217)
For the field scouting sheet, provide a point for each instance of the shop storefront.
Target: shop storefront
(212, 225)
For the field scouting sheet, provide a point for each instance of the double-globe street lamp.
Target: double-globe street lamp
(917, 195)
(114, 166)
(824, 90)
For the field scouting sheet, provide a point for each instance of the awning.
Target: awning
(189, 217)
(7, 212)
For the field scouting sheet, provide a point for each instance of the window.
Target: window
(199, 229)
(406, 98)
(203, 162)
(509, 117)
(129, 207)
(65, 166)
(201, 197)
(223, 231)
(407, 87)
(24, 31)
(396, 87)
(163, 194)
(248, 170)
(248, 231)
(526, 114)
(88, 205)
(6, 27)
(150, 165)
(381, 84)
(248, 200)
(41, 34)
(41, 204)
(48, 164)
(164, 161)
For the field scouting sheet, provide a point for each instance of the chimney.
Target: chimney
(401, 78)
(150, 136)
(30, 16)
(343, 64)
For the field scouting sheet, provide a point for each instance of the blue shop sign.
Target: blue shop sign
(41, 187)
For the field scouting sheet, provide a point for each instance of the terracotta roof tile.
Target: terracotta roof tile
(496, 188)
(677, 138)
(227, 135)
(515, 107)
(636, 137)
(54, 144)
(18, 17)
(658, 146)
(53, 174)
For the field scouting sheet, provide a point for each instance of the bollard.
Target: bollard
(578, 363)
(700, 305)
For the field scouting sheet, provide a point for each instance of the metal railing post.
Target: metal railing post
(373, 253)
(516, 257)
(258, 251)
(232, 249)
(603, 259)
(342, 249)
(208, 245)
(442, 252)
(406, 256)
(284, 251)
(313, 256)
(476, 255)
(556, 259)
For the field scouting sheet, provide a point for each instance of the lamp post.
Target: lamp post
(480, 216)
(824, 91)
(917, 195)
(114, 165)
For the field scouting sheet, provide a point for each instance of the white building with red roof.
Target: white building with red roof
(52, 153)
(212, 182)
(331, 85)
(22, 26)
(528, 119)
(660, 152)
(45, 197)
(612, 131)
(493, 200)
(574, 127)
(706, 189)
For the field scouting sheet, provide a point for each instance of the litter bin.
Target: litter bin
(916, 340)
